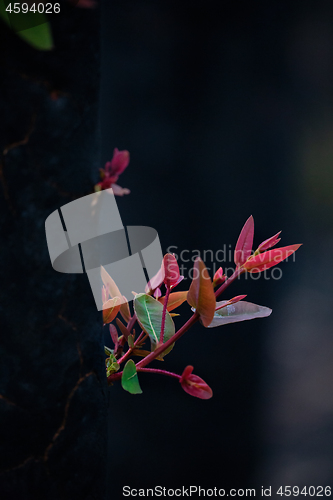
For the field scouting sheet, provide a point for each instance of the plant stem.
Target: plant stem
(145, 361)
(157, 370)
(193, 319)
(164, 313)
(130, 349)
(228, 282)
(131, 322)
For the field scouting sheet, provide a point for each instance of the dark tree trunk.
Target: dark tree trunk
(53, 391)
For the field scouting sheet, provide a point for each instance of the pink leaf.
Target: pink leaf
(119, 191)
(244, 243)
(111, 172)
(269, 243)
(194, 385)
(156, 280)
(118, 163)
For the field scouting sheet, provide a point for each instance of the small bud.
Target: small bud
(171, 270)
(219, 277)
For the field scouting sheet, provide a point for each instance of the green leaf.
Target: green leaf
(241, 311)
(201, 293)
(149, 314)
(130, 341)
(39, 37)
(129, 379)
(33, 28)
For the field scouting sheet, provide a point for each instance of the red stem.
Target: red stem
(130, 349)
(145, 361)
(131, 322)
(228, 282)
(157, 370)
(164, 313)
(193, 319)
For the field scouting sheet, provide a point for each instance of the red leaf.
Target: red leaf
(124, 330)
(114, 336)
(171, 270)
(231, 301)
(244, 243)
(194, 385)
(269, 243)
(201, 293)
(269, 259)
(119, 162)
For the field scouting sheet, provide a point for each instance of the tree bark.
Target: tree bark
(53, 391)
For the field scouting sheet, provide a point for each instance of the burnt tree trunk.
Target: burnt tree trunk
(53, 391)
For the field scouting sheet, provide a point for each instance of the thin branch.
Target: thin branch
(164, 313)
(161, 372)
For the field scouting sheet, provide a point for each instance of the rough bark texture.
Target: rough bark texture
(53, 393)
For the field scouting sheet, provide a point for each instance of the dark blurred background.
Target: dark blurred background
(227, 111)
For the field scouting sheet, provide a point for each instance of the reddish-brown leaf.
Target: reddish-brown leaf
(114, 291)
(114, 334)
(110, 309)
(176, 299)
(123, 329)
(201, 293)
